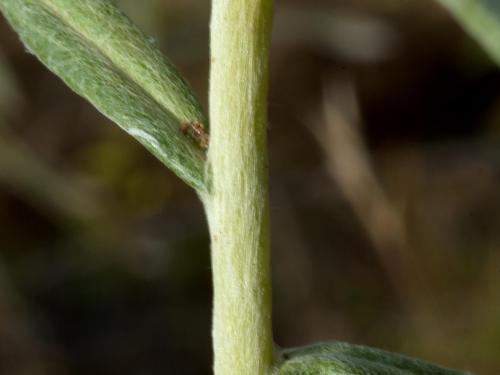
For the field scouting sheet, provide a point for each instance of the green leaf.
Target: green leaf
(105, 58)
(481, 18)
(338, 358)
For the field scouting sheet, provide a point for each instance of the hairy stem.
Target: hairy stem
(237, 205)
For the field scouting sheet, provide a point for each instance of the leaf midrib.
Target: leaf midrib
(119, 67)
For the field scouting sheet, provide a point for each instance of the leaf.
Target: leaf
(105, 58)
(481, 18)
(338, 358)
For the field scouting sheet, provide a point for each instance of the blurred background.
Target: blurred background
(385, 165)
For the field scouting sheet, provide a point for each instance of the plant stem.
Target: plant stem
(237, 205)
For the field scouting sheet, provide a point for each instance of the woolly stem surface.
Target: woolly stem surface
(237, 205)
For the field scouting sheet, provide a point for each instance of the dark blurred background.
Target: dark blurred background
(385, 165)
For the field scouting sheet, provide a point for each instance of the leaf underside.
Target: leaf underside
(103, 56)
(338, 358)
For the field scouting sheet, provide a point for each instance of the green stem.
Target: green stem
(237, 205)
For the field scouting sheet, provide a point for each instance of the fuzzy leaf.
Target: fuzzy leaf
(481, 18)
(338, 358)
(104, 57)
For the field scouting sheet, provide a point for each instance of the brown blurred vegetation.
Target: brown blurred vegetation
(385, 162)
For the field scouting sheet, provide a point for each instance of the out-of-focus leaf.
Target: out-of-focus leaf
(10, 94)
(338, 358)
(481, 18)
(102, 56)
(52, 191)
